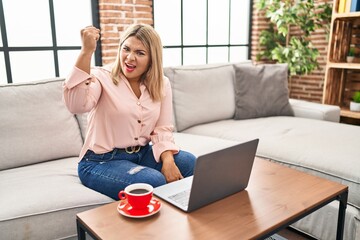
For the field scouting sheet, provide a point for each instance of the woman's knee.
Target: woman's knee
(150, 176)
(157, 179)
(110, 183)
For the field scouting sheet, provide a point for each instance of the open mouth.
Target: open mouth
(129, 67)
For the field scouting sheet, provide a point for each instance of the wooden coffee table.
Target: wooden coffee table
(276, 197)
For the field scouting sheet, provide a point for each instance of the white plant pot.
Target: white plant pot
(354, 106)
(349, 59)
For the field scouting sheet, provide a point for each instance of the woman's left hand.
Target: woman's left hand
(169, 168)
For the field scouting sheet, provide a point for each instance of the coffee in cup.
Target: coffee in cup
(138, 195)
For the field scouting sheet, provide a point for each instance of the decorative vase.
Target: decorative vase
(354, 106)
(349, 59)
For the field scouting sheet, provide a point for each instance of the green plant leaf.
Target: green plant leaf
(298, 51)
(356, 97)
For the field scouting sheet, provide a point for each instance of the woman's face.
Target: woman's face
(135, 58)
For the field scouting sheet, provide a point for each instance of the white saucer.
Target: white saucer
(125, 209)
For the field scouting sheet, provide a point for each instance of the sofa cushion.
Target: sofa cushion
(35, 124)
(326, 149)
(261, 91)
(41, 201)
(200, 145)
(202, 94)
(82, 120)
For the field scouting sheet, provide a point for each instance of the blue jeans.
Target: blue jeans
(111, 172)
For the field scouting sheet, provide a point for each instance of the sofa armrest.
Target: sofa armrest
(306, 109)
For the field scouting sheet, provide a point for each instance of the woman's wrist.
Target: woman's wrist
(167, 156)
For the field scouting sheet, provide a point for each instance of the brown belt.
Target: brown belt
(132, 149)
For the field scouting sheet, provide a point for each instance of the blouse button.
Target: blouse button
(138, 103)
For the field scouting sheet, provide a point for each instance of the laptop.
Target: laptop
(216, 176)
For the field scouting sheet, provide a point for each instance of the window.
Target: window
(40, 38)
(203, 31)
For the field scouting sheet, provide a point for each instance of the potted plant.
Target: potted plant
(278, 44)
(355, 103)
(351, 54)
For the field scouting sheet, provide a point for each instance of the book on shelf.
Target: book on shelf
(355, 5)
(342, 6)
(348, 5)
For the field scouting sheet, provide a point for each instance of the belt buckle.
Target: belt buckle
(132, 149)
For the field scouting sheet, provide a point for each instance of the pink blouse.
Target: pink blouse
(117, 118)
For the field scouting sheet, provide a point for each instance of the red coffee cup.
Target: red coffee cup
(138, 195)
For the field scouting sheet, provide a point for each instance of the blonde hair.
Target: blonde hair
(153, 77)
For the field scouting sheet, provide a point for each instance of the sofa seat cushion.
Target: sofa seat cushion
(41, 201)
(35, 124)
(200, 145)
(326, 149)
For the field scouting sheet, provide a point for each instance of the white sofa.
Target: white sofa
(40, 141)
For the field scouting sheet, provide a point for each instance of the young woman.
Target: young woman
(129, 105)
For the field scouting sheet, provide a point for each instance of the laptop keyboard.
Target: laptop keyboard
(181, 198)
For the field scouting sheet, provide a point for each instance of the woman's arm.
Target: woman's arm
(82, 90)
(162, 136)
(89, 37)
(169, 168)
(164, 146)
